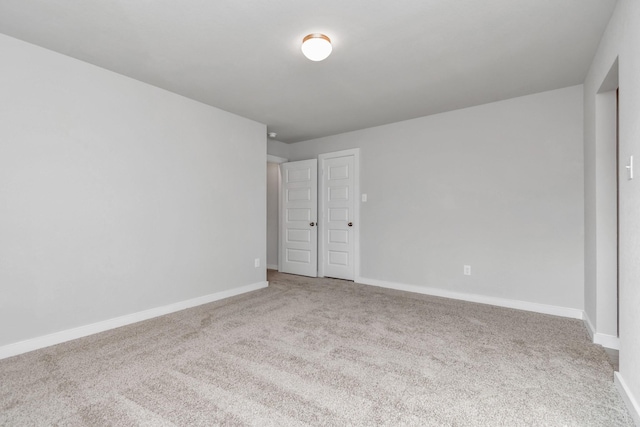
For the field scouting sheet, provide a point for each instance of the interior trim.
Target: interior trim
(572, 313)
(94, 328)
(627, 397)
(608, 341)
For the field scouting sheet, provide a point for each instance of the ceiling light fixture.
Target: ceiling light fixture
(316, 46)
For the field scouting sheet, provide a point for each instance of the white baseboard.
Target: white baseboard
(587, 323)
(83, 331)
(500, 302)
(608, 341)
(629, 400)
(272, 267)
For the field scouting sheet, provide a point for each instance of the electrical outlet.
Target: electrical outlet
(256, 262)
(467, 270)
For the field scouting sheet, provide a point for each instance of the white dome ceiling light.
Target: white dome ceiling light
(316, 46)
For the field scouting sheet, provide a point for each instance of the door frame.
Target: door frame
(609, 174)
(322, 221)
(278, 160)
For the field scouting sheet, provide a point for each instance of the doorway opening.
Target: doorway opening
(606, 327)
(273, 189)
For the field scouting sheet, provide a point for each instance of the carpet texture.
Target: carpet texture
(321, 352)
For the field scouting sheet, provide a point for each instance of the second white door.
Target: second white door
(338, 217)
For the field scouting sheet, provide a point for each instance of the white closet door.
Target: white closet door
(338, 217)
(298, 222)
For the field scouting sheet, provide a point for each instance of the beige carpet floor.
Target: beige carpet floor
(321, 352)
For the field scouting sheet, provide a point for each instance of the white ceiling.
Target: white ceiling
(391, 61)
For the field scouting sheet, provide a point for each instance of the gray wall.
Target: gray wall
(116, 196)
(498, 187)
(621, 41)
(277, 148)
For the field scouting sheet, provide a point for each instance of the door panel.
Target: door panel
(338, 214)
(298, 194)
(338, 236)
(298, 214)
(298, 230)
(298, 235)
(339, 203)
(297, 255)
